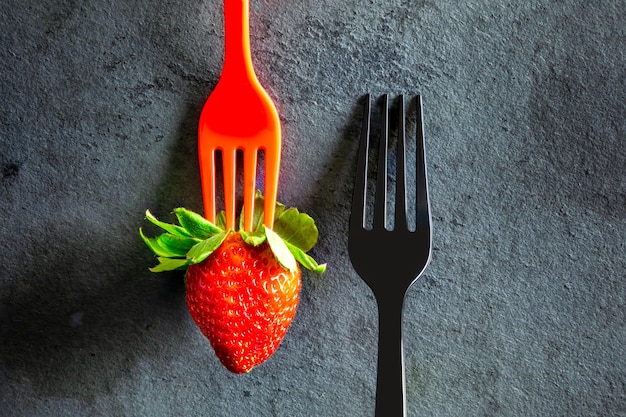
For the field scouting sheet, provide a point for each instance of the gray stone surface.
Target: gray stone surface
(522, 309)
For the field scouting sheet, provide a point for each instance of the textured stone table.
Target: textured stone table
(522, 309)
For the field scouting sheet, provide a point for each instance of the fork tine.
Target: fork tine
(380, 208)
(422, 215)
(229, 157)
(357, 217)
(400, 204)
(272, 166)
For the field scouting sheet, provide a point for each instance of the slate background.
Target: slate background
(522, 309)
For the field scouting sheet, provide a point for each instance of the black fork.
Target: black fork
(390, 260)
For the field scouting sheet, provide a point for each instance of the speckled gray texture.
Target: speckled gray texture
(522, 309)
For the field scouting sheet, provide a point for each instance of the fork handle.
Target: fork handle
(390, 384)
(237, 55)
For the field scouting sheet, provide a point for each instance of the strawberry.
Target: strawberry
(242, 288)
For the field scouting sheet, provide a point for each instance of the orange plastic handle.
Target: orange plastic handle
(237, 55)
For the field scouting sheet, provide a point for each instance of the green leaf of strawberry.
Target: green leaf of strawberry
(205, 248)
(305, 260)
(296, 228)
(169, 264)
(195, 224)
(258, 217)
(168, 245)
(281, 251)
(220, 220)
(254, 238)
(170, 228)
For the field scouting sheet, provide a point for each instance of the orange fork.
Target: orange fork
(239, 115)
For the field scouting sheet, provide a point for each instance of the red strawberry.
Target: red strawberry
(242, 288)
(243, 300)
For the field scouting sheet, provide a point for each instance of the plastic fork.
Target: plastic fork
(390, 260)
(238, 116)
